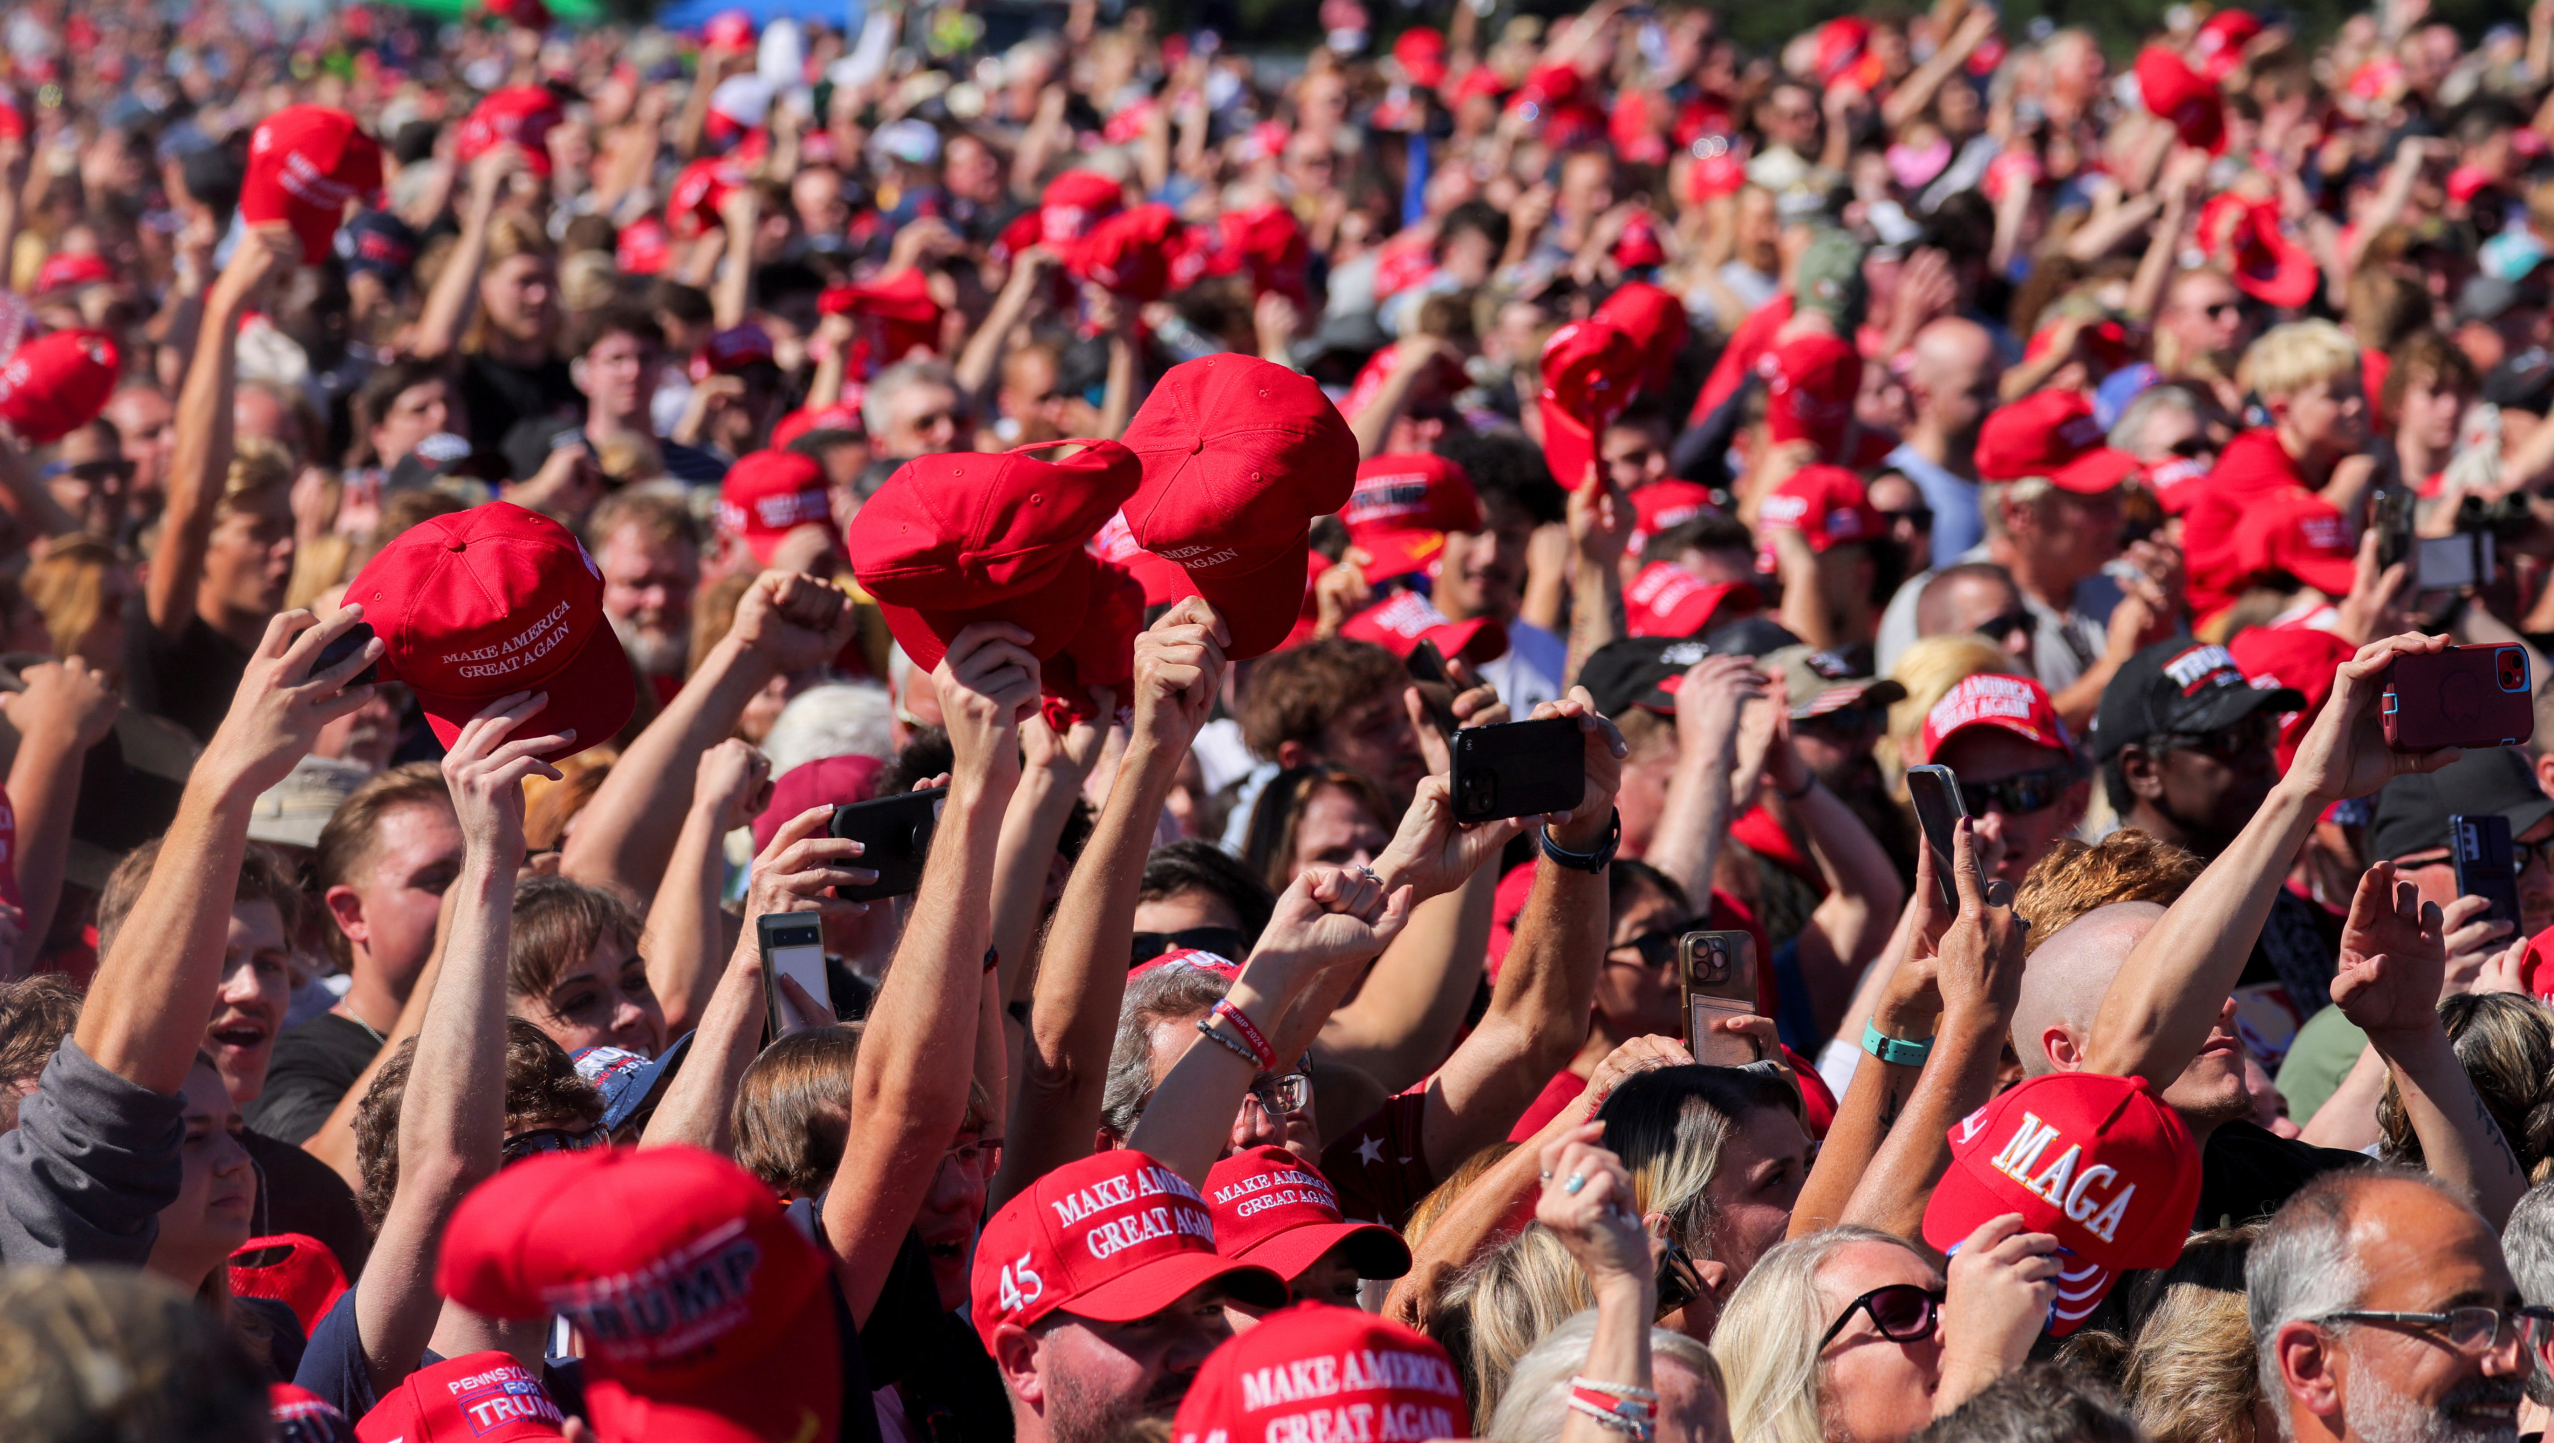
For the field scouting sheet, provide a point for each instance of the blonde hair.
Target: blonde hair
(1928, 670)
(509, 235)
(1768, 1338)
(1506, 1302)
(68, 584)
(1537, 1395)
(259, 468)
(2074, 878)
(2288, 359)
(2191, 1375)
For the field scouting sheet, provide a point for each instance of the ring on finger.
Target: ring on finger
(1573, 1183)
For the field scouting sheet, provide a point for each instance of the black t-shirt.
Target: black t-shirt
(189, 679)
(952, 1392)
(2246, 1172)
(314, 1066)
(297, 1193)
(496, 397)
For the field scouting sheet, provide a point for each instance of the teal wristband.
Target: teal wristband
(1896, 1050)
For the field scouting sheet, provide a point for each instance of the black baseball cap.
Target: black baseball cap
(2181, 686)
(2524, 382)
(2412, 811)
(1637, 671)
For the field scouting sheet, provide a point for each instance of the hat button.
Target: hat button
(458, 546)
(1199, 445)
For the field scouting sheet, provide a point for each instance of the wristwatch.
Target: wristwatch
(1896, 1050)
(1590, 862)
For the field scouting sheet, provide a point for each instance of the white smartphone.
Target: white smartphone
(793, 946)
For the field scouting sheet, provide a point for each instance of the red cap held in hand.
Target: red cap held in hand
(2261, 258)
(1128, 253)
(475, 1398)
(54, 385)
(1590, 371)
(1402, 509)
(962, 537)
(1399, 622)
(2186, 100)
(304, 163)
(1346, 1375)
(69, 270)
(2017, 704)
(1827, 505)
(2098, 1162)
(2052, 434)
(1656, 323)
(522, 114)
(1101, 654)
(768, 494)
(1810, 386)
(491, 601)
(1074, 202)
(1274, 1209)
(1239, 454)
(705, 1316)
(1113, 1237)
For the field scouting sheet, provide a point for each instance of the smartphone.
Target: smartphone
(1436, 689)
(2394, 525)
(1938, 808)
(1719, 972)
(1519, 769)
(895, 839)
(2486, 863)
(793, 945)
(356, 638)
(2465, 696)
(2452, 563)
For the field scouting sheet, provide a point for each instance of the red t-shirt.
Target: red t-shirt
(2253, 467)
(1380, 1166)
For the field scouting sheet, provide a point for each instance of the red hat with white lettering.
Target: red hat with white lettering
(1590, 371)
(1399, 622)
(1113, 1238)
(705, 1316)
(2299, 534)
(1239, 454)
(1665, 505)
(2052, 434)
(768, 494)
(1320, 1372)
(1827, 505)
(1074, 202)
(1810, 386)
(304, 163)
(1656, 322)
(475, 1398)
(963, 537)
(2017, 704)
(55, 384)
(2098, 1162)
(1667, 600)
(1403, 507)
(523, 114)
(1277, 1210)
(491, 601)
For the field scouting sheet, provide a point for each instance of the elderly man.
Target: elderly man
(915, 408)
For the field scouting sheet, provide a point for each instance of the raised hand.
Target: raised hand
(1072, 756)
(792, 620)
(987, 682)
(283, 701)
(1711, 701)
(1433, 852)
(1179, 670)
(63, 698)
(1601, 520)
(734, 783)
(1476, 704)
(1978, 964)
(1604, 751)
(485, 771)
(1587, 1203)
(2002, 1283)
(2344, 754)
(1634, 1057)
(2393, 956)
(1329, 915)
(799, 870)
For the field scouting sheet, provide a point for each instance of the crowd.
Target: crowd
(774, 732)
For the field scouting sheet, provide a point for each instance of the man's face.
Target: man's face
(2068, 534)
(1094, 1377)
(249, 560)
(2206, 315)
(2434, 875)
(394, 895)
(1479, 572)
(2421, 1253)
(1993, 609)
(2328, 417)
(1373, 736)
(618, 376)
(521, 297)
(924, 419)
(1255, 1124)
(952, 1211)
(816, 194)
(1985, 755)
(1633, 455)
(2211, 788)
(89, 479)
(414, 414)
(143, 418)
(971, 170)
(1637, 993)
(1789, 117)
(647, 593)
(257, 985)
(1836, 747)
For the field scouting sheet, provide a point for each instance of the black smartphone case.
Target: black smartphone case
(895, 838)
(1520, 769)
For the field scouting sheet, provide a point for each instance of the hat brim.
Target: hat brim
(2334, 576)
(2096, 471)
(1259, 606)
(777, 1394)
(641, 1095)
(1963, 1202)
(1569, 448)
(1050, 612)
(2290, 280)
(1398, 553)
(1146, 1290)
(595, 692)
(1882, 692)
(2016, 726)
(1374, 1250)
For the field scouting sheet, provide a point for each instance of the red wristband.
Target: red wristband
(1258, 1045)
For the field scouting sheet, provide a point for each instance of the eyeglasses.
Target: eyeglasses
(2472, 1331)
(1282, 1095)
(2252, 737)
(1997, 628)
(553, 1139)
(2019, 795)
(1903, 1312)
(980, 1154)
(1657, 949)
(2541, 853)
(1919, 517)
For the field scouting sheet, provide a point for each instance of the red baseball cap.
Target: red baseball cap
(1272, 245)
(2180, 95)
(304, 163)
(840, 416)
(477, 1396)
(1667, 600)
(1101, 654)
(1810, 386)
(1655, 321)
(2298, 658)
(641, 249)
(898, 318)
(1366, 1367)
(494, 600)
(55, 384)
(826, 781)
(2299, 533)
(1075, 201)
(1128, 253)
(963, 536)
(1197, 957)
(2261, 258)
(768, 494)
(1590, 371)
(1239, 454)
(706, 1317)
(294, 1269)
(1113, 1237)
(1399, 622)
(302, 1416)
(1274, 1209)
(699, 189)
(523, 114)
(2170, 481)
(1664, 505)
(2051, 434)
(2221, 40)
(1421, 51)
(731, 350)
(2017, 704)
(1827, 505)
(1402, 508)
(65, 270)
(2098, 1162)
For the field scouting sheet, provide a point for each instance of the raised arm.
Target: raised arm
(909, 1087)
(452, 1112)
(200, 455)
(145, 1013)
(456, 288)
(2168, 992)
(1851, 926)
(1693, 824)
(67, 708)
(686, 930)
(1055, 1111)
(624, 837)
(1600, 521)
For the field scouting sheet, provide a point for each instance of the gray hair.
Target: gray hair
(1537, 1397)
(2528, 1244)
(1768, 1337)
(838, 719)
(1163, 994)
(2128, 433)
(1994, 496)
(877, 407)
(2300, 1269)
(2037, 1403)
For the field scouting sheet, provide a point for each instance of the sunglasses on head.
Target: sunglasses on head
(553, 1139)
(2015, 796)
(1901, 1312)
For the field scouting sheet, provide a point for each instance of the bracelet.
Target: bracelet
(1590, 862)
(1640, 1426)
(1615, 1390)
(1206, 1025)
(1259, 1047)
(1899, 1050)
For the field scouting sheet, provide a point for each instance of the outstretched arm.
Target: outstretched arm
(67, 708)
(686, 930)
(200, 454)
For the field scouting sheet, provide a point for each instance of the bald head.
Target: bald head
(2062, 986)
(1951, 374)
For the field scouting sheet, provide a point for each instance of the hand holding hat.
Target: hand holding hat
(285, 697)
(1179, 673)
(2002, 1281)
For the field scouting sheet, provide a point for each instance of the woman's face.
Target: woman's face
(1337, 829)
(1635, 996)
(521, 296)
(1871, 1390)
(1762, 1166)
(217, 1195)
(415, 413)
(605, 1001)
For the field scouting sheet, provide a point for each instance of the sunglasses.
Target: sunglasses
(2250, 737)
(1846, 722)
(1919, 517)
(2017, 796)
(553, 1139)
(1902, 1312)
(1997, 628)
(1657, 949)
(1224, 942)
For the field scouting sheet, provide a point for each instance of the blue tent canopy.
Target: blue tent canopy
(844, 15)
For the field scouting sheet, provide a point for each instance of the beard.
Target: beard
(2379, 1414)
(1077, 1413)
(653, 648)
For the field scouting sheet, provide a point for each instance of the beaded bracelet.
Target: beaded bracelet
(1206, 1025)
(1266, 1055)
